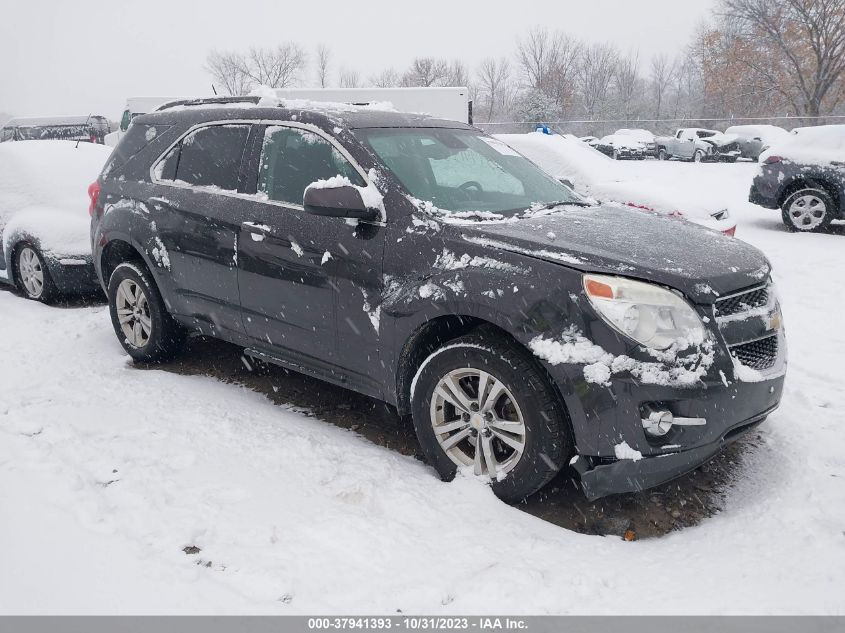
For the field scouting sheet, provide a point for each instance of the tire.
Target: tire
(32, 276)
(662, 155)
(698, 156)
(525, 396)
(808, 210)
(615, 155)
(132, 293)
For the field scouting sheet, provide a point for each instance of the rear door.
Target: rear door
(305, 279)
(195, 219)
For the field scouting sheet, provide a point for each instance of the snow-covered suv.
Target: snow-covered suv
(430, 266)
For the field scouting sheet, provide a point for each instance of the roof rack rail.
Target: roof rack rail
(207, 101)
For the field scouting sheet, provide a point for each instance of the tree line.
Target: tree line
(750, 59)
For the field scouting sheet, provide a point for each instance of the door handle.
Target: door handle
(256, 231)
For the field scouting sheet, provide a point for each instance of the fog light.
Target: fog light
(658, 423)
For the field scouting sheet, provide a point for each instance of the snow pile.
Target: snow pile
(44, 193)
(572, 347)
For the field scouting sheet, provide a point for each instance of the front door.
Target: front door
(290, 262)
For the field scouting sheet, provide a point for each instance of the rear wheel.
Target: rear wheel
(143, 326)
(483, 404)
(698, 156)
(33, 276)
(808, 210)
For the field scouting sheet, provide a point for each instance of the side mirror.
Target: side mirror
(337, 202)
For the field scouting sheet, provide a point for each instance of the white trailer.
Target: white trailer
(136, 106)
(451, 103)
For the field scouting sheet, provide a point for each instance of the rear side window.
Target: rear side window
(135, 140)
(208, 157)
(291, 159)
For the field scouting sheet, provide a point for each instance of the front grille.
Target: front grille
(757, 298)
(760, 354)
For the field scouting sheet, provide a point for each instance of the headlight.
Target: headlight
(649, 314)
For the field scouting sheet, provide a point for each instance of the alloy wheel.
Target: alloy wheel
(807, 212)
(31, 272)
(478, 422)
(133, 313)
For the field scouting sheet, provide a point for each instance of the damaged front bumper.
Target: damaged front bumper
(600, 478)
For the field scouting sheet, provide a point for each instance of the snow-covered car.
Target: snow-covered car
(643, 136)
(752, 140)
(698, 145)
(593, 174)
(804, 176)
(45, 248)
(620, 147)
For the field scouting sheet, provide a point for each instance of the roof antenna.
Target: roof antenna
(213, 90)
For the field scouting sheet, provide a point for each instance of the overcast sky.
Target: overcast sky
(87, 56)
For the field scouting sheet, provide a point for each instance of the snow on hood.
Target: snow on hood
(44, 191)
(598, 176)
(616, 240)
(720, 139)
(623, 141)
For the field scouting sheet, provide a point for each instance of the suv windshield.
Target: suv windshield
(463, 171)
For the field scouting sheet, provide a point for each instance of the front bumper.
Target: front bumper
(602, 479)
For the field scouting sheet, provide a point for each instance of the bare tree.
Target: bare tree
(493, 77)
(323, 56)
(548, 61)
(661, 76)
(228, 72)
(627, 82)
(456, 74)
(277, 67)
(808, 35)
(349, 78)
(426, 71)
(595, 74)
(387, 78)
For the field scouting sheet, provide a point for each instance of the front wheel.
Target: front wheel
(808, 210)
(698, 156)
(143, 326)
(33, 276)
(662, 155)
(615, 155)
(484, 405)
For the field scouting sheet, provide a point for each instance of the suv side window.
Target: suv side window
(292, 158)
(208, 157)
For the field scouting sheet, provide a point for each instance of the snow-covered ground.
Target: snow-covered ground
(107, 472)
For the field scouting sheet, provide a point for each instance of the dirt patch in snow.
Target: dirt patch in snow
(681, 503)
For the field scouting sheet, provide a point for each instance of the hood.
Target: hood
(720, 140)
(701, 263)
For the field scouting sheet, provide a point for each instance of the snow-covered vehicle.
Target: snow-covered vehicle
(698, 145)
(752, 140)
(45, 248)
(620, 147)
(524, 328)
(804, 176)
(92, 128)
(643, 136)
(593, 174)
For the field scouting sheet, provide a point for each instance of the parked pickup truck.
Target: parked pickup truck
(697, 144)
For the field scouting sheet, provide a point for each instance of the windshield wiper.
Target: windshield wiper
(563, 203)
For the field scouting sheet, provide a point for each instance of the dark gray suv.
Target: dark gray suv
(428, 265)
